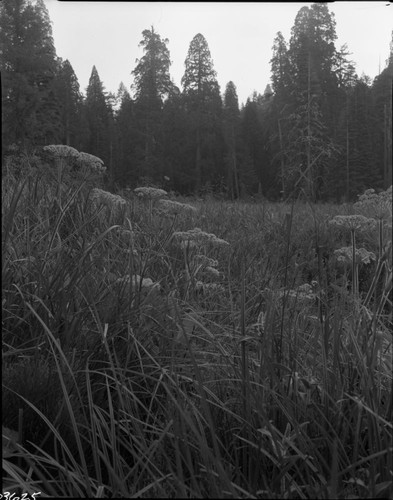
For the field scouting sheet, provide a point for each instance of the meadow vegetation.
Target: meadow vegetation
(163, 347)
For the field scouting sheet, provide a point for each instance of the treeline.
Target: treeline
(319, 128)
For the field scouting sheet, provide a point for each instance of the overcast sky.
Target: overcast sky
(240, 36)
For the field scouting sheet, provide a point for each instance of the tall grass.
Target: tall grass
(242, 389)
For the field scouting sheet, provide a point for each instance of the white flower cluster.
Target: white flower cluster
(101, 197)
(205, 261)
(94, 163)
(376, 205)
(197, 235)
(61, 151)
(208, 287)
(353, 222)
(362, 255)
(302, 295)
(150, 193)
(175, 207)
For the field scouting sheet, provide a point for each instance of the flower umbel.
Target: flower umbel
(353, 222)
(363, 256)
(101, 197)
(199, 236)
(150, 193)
(175, 207)
(61, 151)
(92, 162)
(376, 205)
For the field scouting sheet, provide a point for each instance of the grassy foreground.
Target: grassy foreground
(143, 359)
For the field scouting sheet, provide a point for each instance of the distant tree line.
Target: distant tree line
(318, 129)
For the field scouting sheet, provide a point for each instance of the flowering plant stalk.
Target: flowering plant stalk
(150, 194)
(355, 268)
(353, 223)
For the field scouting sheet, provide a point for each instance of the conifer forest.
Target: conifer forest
(318, 126)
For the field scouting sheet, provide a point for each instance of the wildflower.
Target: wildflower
(92, 162)
(175, 208)
(376, 205)
(353, 222)
(205, 261)
(187, 244)
(61, 151)
(303, 294)
(362, 256)
(197, 234)
(219, 242)
(207, 287)
(150, 193)
(101, 197)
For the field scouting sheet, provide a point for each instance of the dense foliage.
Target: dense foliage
(320, 129)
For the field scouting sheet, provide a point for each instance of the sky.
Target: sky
(239, 35)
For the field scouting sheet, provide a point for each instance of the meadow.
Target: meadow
(155, 346)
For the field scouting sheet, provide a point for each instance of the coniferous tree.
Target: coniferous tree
(125, 171)
(28, 64)
(177, 143)
(311, 58)
(382, 104)
(278, 119)
(99, 120)
(70, 102)
(231, 124)
(252, 146)
(203, 104)
(152, 85)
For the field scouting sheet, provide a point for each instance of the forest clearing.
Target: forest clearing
(196, 292)
(197, 348)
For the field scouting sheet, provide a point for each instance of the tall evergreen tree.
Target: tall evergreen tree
(152, 85)
(231, 123)
(125, 171)
(278, 119)
(382, 139)
(70, 101)
(252, 146)
(99, 119)
(28, 64)
(312, 57)
(203, 103)
(177, 143)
